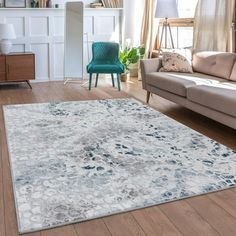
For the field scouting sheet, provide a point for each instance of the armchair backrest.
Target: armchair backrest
(105, 51)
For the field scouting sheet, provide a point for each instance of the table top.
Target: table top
(17, 53)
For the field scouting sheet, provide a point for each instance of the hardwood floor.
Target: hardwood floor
(212, 214)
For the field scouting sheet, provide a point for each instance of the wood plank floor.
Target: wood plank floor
(212, 214)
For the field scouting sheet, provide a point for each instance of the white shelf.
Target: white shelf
(102, 8)
(58, 9)
(28, 9)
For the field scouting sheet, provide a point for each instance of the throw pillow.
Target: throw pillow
(175, 62)
(186, 52)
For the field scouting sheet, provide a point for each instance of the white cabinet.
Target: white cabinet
(42, 32)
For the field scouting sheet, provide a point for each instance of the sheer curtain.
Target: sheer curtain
(133, 14)
(149, 27)
(212, 25)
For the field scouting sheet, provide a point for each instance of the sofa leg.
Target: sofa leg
(148, 97)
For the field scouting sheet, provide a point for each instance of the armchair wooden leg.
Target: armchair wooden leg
(113, 82)
(118, 82)
(96, 84)
(90, 80)
(148, 96)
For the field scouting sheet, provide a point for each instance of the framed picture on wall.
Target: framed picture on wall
(15, 3)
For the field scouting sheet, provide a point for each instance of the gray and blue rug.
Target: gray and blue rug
(76, 161)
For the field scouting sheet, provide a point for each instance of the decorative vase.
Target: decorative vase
(124, 77)
(49, 4)
(33, 3)
(6, 46)
(133, 69)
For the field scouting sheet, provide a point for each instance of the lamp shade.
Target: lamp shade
(166, 9)
(7, 31)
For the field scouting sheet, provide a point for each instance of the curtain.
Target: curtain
(233, 38)
(213, 25)
(133, 14)
(149, 27)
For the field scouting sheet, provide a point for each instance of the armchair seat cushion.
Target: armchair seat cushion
(105, 68)
(220, 97)
(178, 83)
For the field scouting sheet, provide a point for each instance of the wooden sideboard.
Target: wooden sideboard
(17, 67)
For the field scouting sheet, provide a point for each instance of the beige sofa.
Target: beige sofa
(210, 90)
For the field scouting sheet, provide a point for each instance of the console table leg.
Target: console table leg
(148, 97)
(27, 81)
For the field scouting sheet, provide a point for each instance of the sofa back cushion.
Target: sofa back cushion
(218, 64)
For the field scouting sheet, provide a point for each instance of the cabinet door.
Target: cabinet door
(20, 67)
(2, 68)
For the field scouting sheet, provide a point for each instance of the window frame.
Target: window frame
(174, 22)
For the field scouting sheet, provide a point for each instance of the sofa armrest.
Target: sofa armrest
(148, 66)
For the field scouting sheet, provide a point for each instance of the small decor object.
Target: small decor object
(15, 3)
(175, 62)
(96, 5)
(49, 4)
(129, 57)
(7, 32)
(33, 3)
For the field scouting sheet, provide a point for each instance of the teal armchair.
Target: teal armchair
(105, 61)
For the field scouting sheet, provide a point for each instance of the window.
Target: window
(186, 8)
(182, 27)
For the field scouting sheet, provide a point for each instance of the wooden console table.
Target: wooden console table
(17, 67)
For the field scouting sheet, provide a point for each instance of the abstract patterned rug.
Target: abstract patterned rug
(76, 161)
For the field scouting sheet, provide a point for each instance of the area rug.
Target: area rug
(76, 161)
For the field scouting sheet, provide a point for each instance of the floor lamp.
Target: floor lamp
(166, 9)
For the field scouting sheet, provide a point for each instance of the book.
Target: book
(103, 3)
(108, 3)
(42, 3)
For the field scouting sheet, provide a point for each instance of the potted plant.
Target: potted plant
(130, 58)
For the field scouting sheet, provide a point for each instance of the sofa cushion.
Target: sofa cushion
(220, 97)
(214, 63)
(178, 83)
(233, 74)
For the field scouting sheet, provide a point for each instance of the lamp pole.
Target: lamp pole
(166, 9)
(165, 28)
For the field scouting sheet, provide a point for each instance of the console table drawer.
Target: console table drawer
(20, 67)
(2, 64)
(2, 76)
